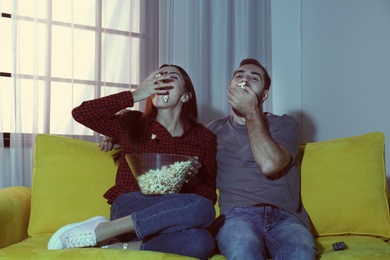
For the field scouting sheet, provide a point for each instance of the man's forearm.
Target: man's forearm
(270, 156)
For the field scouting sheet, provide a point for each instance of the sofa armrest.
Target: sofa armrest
(15, 204)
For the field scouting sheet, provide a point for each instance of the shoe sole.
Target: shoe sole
(54, 239)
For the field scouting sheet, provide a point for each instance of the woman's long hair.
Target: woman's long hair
(139, 123)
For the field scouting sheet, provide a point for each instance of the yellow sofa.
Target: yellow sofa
(343, 189)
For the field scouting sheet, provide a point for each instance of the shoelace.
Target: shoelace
(80, 240)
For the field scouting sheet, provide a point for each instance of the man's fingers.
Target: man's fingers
(116, 146)
(106, 145)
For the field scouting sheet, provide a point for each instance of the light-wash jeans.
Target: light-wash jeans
(264, 232)
(172, 223)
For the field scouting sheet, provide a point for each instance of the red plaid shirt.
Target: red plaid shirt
(100, 116)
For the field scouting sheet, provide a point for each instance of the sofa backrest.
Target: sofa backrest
(343, 184)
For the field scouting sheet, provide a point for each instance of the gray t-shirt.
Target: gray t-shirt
(240, 180)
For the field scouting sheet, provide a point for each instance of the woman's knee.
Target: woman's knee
(124, 205)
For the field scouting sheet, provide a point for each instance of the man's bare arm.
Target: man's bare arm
(269, 155)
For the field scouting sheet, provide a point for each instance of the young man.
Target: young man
(258, 176)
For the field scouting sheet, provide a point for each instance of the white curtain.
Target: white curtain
(209, 39)
(61, 52)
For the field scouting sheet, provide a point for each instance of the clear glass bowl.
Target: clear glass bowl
(158, 173)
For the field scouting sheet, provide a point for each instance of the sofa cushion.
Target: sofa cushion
(358, 247)
(344, 186)
(70, 177)
(36, 248)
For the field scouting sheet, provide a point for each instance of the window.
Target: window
(57, 53)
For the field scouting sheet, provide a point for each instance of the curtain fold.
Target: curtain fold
(19, 158)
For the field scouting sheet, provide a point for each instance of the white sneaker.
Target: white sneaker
(80, 234)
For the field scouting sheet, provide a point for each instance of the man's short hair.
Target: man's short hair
(267, 79)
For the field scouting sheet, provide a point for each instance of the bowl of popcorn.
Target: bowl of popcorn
(159, 173)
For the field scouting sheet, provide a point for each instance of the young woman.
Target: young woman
(172, 223)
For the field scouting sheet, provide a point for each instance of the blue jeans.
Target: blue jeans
(172, 223)
(264, 232)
